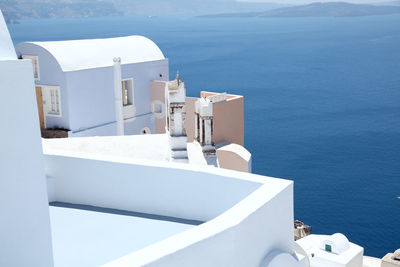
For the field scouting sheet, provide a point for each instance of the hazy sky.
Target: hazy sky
(310, 1)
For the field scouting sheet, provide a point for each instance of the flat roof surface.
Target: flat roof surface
(144, 147)
(85, 238)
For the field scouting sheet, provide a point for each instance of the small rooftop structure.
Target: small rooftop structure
(336, 243)
(331, 251)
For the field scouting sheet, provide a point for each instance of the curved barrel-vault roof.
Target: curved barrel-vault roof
(93, 53)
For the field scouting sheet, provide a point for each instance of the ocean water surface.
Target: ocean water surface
(322, 104)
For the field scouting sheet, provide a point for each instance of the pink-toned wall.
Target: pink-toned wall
(205, 94)
(190, 118)
(228, 122)
(232, 161)
(157, 92)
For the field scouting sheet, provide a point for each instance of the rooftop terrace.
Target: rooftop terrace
(90, 236)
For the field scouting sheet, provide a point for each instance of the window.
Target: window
(127, 92)
(157, 107)
(328, 248)
(35, 65)
(52, 101)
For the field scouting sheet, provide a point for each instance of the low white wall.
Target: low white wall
(25, 237)
(243, 236)
(125, 184)
(248, 216)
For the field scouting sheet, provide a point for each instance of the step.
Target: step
(178, 142)
(179, 153)
(181, 160)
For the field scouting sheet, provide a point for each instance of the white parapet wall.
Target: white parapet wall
(143, 186)
(246, 216)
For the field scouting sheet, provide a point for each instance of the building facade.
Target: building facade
(74, 83)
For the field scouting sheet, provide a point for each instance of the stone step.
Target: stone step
(181, 160)
(179, 153)
(178, 142)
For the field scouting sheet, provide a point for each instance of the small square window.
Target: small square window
(157, 108)
(328, 248)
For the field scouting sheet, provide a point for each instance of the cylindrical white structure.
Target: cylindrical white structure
(119, 113)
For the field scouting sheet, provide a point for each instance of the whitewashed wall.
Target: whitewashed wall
(25, 238)
(248, 216)
(243, 236)
(128, 185)
(87, 96)
(7, 51)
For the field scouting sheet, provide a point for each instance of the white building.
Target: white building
(82, 206)
(331, 251)
(75, 83)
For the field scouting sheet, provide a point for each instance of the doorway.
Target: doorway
(39, 100)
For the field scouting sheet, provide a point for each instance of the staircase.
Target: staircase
(179, 149)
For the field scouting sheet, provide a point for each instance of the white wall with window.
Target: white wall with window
(35, 64)
(52, 102)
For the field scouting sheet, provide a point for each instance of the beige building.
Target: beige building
(214, 120)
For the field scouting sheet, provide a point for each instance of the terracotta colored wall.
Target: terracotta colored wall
(228, 123)
(157, 92)
(232, 161)
(190, 118)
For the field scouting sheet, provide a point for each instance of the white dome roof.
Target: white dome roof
(338, 242)
(93, 53)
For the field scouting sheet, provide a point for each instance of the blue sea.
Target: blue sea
(322, 103)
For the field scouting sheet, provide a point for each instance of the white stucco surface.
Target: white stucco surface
(25, 238)
(371, 262)
(338, 242)
(83, 238)
(93, 53)
(195, 153)
(242, 236)
(6, 46)
(144, 147)
(351, 257)
(238, 207)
